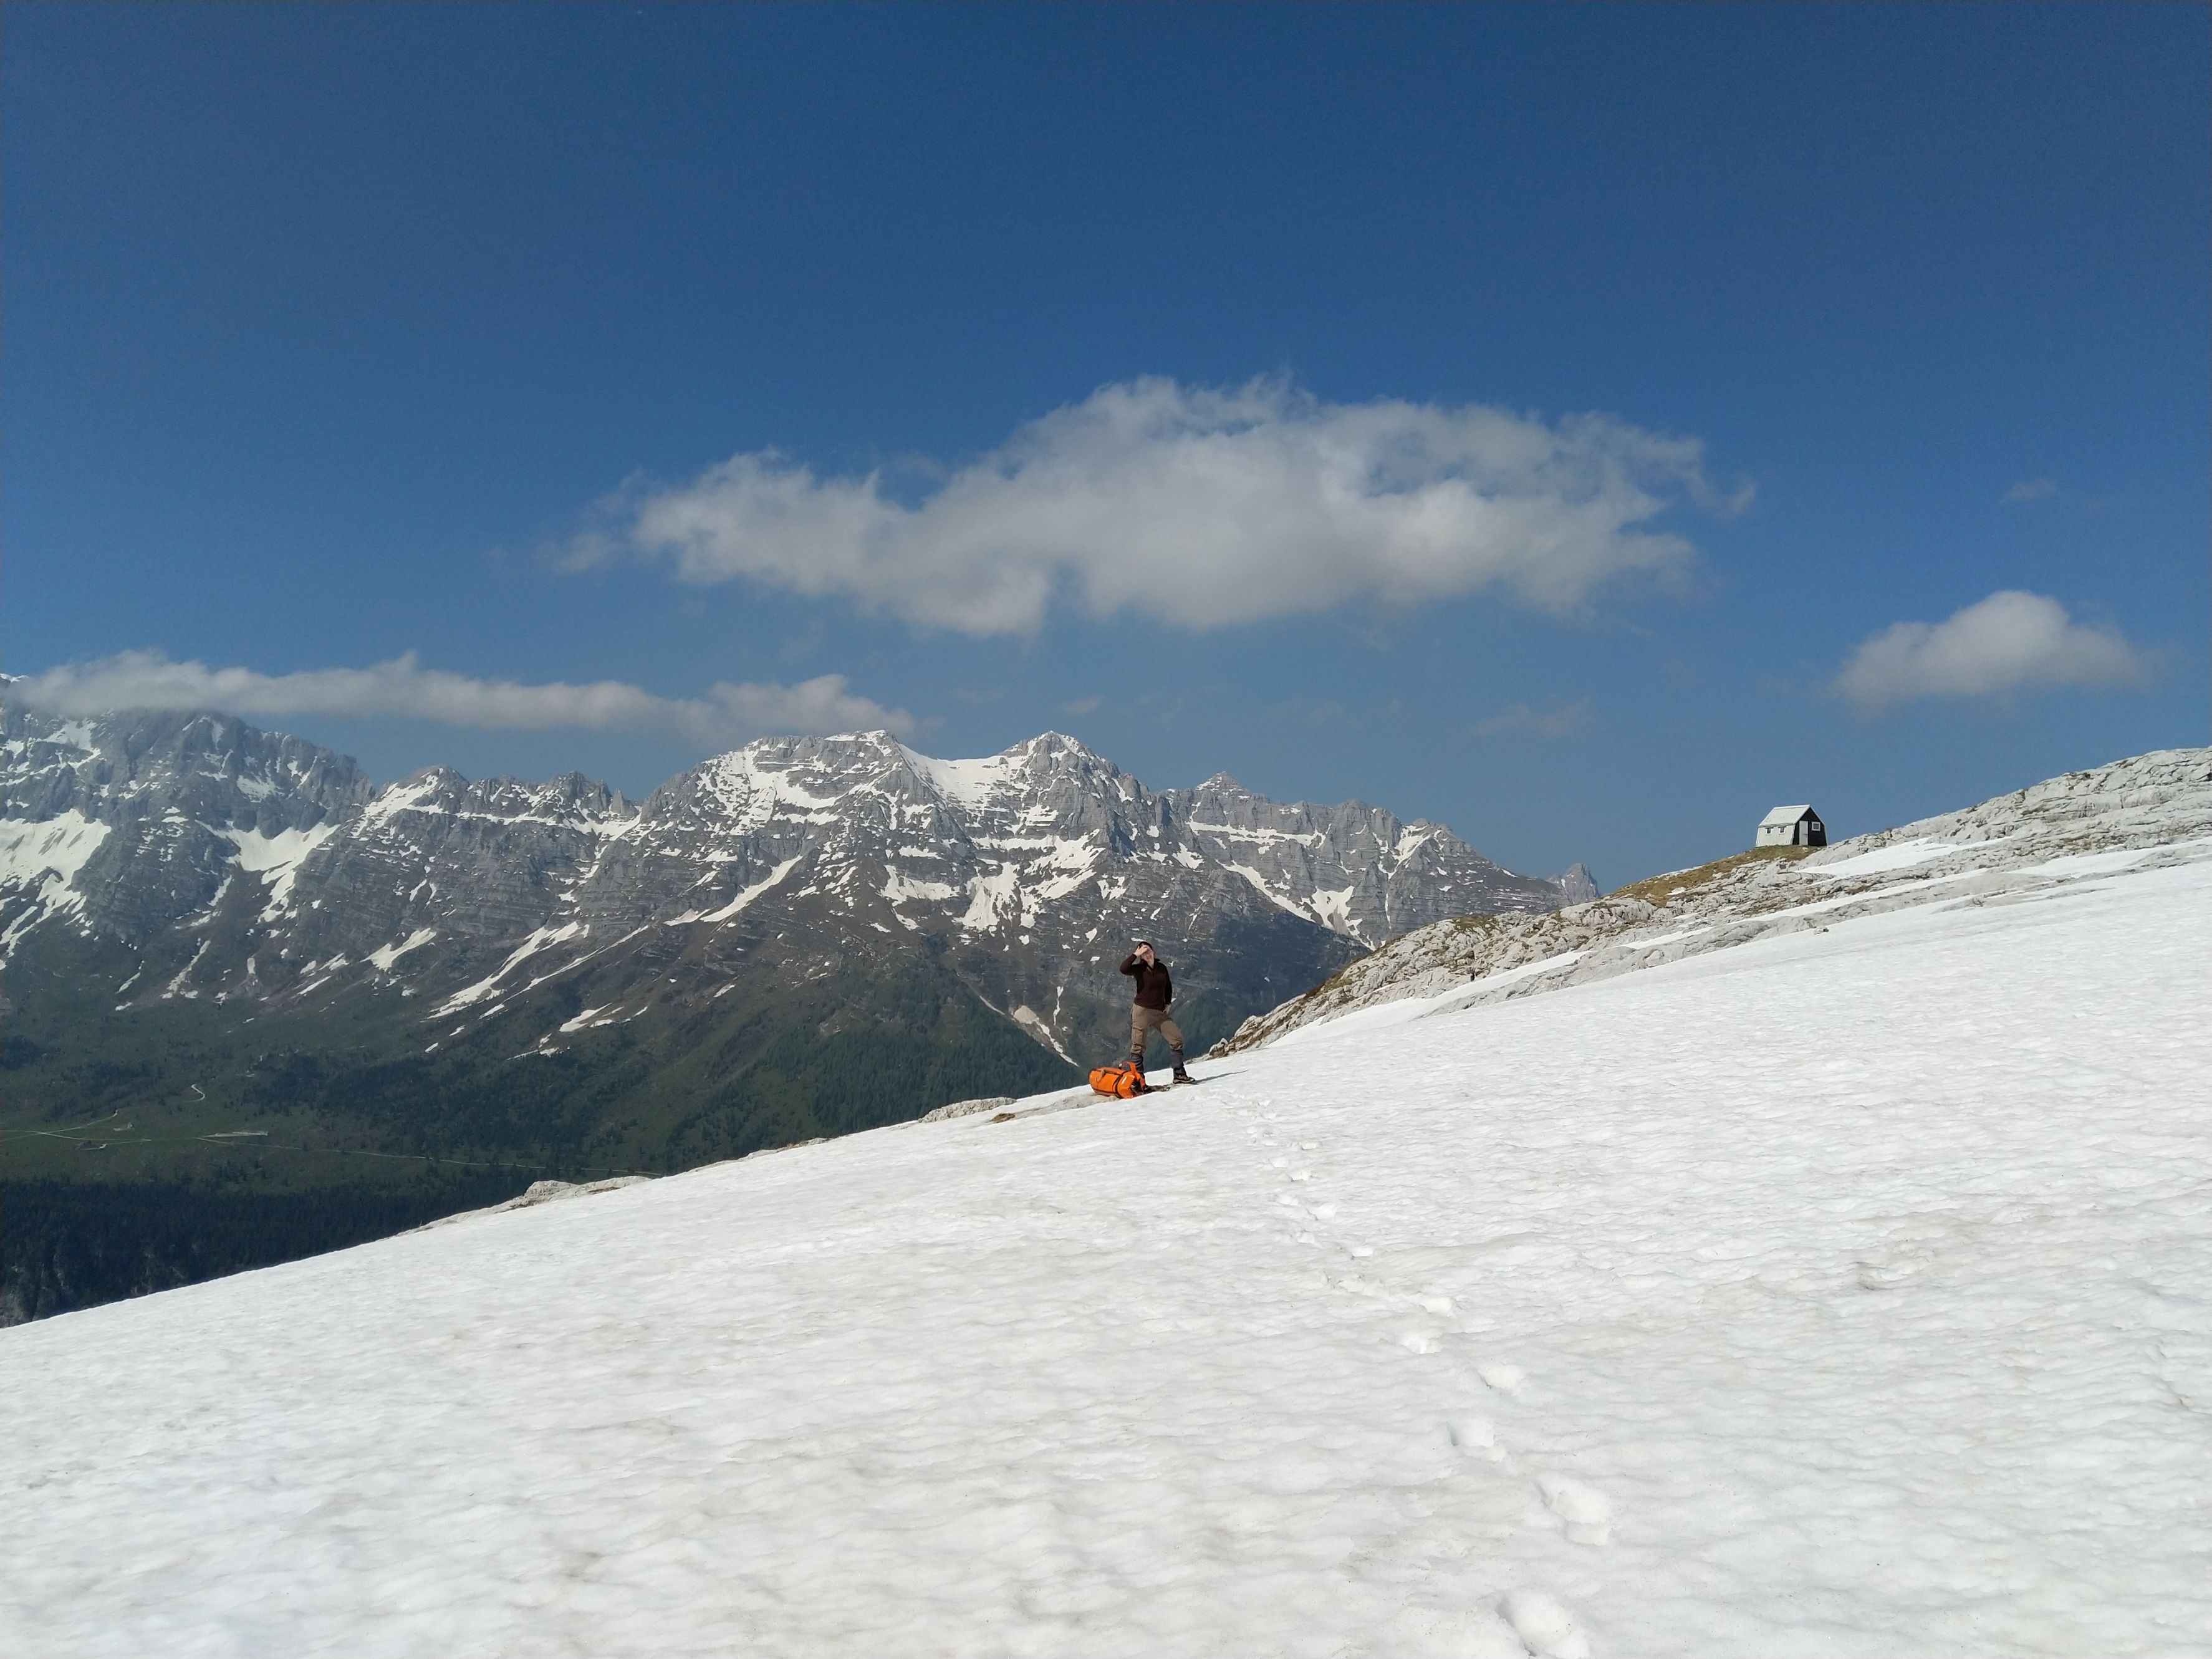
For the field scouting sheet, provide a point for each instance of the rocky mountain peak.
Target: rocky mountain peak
(431, 785)
(211, 769)
(1577, 885)
(1025, 868)
(1057, 749)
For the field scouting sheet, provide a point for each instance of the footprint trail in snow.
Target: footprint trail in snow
(1841, 1293)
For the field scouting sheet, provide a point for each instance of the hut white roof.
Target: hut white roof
(1783, 815)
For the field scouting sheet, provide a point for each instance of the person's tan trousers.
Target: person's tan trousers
(1143, 1020)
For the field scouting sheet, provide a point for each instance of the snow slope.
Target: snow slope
(1848, 1293)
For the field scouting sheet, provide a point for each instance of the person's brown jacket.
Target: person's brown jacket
(1154, 988)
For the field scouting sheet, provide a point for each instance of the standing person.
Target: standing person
(1155, 990)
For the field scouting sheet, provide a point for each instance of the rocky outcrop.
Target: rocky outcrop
(2150, 808)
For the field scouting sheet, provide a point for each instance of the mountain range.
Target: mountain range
(744, 957)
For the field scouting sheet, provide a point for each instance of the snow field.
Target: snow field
(1842, 1294)
(43, 859)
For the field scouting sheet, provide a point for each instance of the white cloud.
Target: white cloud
(403, 689)
(2029, 489)
(2008, 642)
(1202, 508)
(1561, 720)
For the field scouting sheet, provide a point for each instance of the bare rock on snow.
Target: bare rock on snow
(968, 1107)
(542, 1192)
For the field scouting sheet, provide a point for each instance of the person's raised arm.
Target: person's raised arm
(1130, 965)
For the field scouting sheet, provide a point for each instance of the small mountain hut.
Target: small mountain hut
(1792, 826)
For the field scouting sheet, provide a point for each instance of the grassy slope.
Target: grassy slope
(253, 1130)
(139, 1093)
(1662, 890)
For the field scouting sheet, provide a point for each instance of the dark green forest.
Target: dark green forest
(156, 1146)
(71, 1244)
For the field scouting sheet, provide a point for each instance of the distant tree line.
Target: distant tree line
(67, 1244)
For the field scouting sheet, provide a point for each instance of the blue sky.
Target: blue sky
(1586, 426)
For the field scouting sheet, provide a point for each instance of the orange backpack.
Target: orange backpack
(1120, 1081)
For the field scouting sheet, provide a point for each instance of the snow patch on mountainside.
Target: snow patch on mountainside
(39, 865)
(411, 794)
(385, 957)
(994, 896)
(745, 897)
(277, 858)
(48, 854)
(970, 782)
(54, 850)
(1034, 1023)
(539, 939)
(1267, 891)
(754, 793)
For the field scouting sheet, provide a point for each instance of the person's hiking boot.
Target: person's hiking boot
(1181, 1076)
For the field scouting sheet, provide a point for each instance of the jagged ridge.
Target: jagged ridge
(249, 865)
